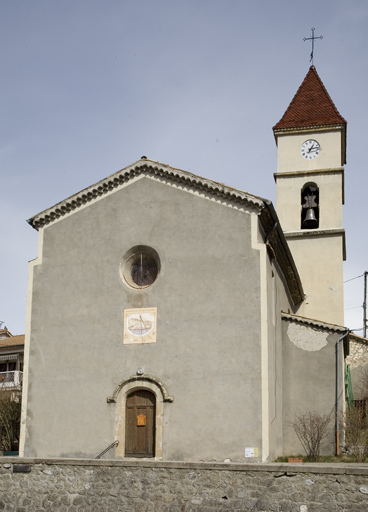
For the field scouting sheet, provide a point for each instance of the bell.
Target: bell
(310, 220)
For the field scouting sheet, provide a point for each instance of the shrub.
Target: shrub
(10, 410)
(356, 432)
(311, 429)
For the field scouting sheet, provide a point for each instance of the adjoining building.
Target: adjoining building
(11, 359)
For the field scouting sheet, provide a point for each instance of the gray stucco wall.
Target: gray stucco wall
(208, 343)
(104, 486)
(277, 302)
(309, 380)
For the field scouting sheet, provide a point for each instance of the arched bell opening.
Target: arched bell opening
(310, 206)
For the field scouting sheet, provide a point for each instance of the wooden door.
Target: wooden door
(140, 424)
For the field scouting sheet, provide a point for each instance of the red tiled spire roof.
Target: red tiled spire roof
(311, 106)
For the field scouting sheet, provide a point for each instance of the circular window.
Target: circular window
(140, 266)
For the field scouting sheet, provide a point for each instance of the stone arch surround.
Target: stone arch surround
(119, 396)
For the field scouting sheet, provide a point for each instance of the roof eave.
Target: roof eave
(154, 170)
(280, 247)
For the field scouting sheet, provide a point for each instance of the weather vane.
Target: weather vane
(312, 39)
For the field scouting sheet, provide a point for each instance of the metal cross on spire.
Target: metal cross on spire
(312, 39)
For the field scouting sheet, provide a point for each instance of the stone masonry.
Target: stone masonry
(358, 354)
(64, 485)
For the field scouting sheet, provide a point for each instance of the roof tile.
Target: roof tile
(311, 106)
(13, 340)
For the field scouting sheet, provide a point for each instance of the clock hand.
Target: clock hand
(313, 148)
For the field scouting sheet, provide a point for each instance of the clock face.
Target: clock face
(310, 149)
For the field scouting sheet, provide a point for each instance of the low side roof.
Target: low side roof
(314, 323)
(358, 339)
(344, 334)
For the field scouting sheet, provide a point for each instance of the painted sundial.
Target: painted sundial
(140, 325)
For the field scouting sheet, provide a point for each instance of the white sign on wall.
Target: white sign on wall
(251, 452)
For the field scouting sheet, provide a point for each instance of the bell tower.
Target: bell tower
(311, 154)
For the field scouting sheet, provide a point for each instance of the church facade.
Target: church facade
(175, 318)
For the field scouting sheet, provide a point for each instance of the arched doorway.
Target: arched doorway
(120, 396)
(140, 418)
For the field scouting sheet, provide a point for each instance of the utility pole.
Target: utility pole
(365, 305)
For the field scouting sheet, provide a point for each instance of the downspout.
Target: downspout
(337, 391)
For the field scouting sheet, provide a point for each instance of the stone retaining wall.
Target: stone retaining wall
(80, 485)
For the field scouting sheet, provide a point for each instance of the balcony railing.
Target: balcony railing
(10, 379)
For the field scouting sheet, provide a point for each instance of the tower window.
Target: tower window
(310, 206)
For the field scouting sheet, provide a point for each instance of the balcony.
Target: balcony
(11, 379)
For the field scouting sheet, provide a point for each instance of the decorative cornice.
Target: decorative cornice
(316, 172)
(281, 132)
(294, 174)
(308, 129)
(315, 233)
(153, 170)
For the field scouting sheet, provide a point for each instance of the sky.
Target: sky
(89, 86)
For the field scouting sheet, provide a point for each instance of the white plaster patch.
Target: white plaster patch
(306, 338)
(196, 501)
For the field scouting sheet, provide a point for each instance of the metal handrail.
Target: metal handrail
(115, 443)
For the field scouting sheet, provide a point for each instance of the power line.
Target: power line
(352, 279)
(365, 274)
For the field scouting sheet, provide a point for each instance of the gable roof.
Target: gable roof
(189, 181)
(152, 169)
(4, 333)
(311, 106)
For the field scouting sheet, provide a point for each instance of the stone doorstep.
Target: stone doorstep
(272, 467)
